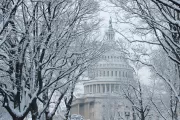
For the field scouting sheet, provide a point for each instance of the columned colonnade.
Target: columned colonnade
(101, 88)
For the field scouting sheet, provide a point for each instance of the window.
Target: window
(94, 88)
(107, 73)
(98, 88)
(104, 73)
(112, 88)
(116, 73)
(107, 87)
(119, 73)
(90, 88)
(117, 88)
(111, 73)
(103, 86)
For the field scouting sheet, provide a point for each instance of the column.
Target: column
(85, 89)
(96, 88)
(89, 88)
(101, 90)
(109, 88)
(105, 85)
(112, 87)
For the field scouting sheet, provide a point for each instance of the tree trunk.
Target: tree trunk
(48, 117)
(17, 118)
(142, 116)
(175, 116)
(68, 103)
(34, 110)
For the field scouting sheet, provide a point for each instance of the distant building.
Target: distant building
(102, 98)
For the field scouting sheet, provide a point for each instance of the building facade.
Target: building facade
(102, 97)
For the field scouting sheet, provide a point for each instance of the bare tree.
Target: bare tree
(141, 104)
(168, 69)
(160, 20)
(37, 50)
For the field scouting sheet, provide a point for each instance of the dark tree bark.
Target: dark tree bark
(34, 110)
(68, 104)
(16, 118)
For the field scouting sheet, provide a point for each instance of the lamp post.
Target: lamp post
(133, 115)
(127, 115)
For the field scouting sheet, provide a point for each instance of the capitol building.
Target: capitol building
(103, 92)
